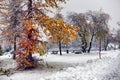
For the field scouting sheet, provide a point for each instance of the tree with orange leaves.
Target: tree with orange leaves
(33, 18)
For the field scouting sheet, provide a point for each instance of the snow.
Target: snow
(69, 67)
(43, 36)
(6, 61)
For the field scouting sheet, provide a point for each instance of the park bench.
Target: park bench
(77, 52)
(54, 52)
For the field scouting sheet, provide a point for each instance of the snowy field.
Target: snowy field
(68, 67)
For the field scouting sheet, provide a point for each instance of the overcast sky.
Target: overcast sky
(112, 7)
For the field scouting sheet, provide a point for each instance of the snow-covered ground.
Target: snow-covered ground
(68, 67)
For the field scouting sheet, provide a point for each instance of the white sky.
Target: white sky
(112, 7)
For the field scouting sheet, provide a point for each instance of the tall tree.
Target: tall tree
(11, 13)
(29, 42)
(33, 19)
(59, 16)
(80, 21)
(99, 25)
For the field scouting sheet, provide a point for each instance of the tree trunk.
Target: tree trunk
(84, 46)
(90, 45)
(30, 58)
(118, 45)
(60, 48)
(100, 49)
(84, 42)
(106, 42)
(67, 51)
(14, 22)
(15, 43)
(14, 47)
(105, 47)
(30, 9)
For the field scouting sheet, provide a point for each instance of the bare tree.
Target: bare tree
(80, 21)
(93, 24)
(99, 25)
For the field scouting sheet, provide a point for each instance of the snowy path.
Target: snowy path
(105, 69)
(75, 67)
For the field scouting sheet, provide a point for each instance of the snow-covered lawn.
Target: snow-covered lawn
(68, 67)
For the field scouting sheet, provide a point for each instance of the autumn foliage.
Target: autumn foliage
(59, 30)
(30, 23)
(27, 45)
